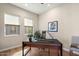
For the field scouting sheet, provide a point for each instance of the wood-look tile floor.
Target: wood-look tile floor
(33, 52)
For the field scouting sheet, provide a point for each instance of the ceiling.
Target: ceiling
(37, 8)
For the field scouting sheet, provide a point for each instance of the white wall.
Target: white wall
(75, 18)
(68, 22)
(13, 41)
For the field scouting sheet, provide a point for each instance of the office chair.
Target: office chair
(74, 45)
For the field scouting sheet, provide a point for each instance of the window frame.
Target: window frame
(28, 26)
(11, 24)
(27, 33)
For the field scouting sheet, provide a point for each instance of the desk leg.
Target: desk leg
(30, 50)
(49, 51)
(22, 49)
(61, 50)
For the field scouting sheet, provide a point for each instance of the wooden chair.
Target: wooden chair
(74, 45)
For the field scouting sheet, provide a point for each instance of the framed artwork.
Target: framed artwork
(53, 26)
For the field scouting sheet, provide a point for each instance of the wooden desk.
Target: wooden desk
(48, 43)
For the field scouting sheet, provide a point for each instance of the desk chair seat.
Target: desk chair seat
(75, 49)
(72, 50)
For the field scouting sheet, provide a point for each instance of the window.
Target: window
(12, 25)
(12, 29)
(28, 25)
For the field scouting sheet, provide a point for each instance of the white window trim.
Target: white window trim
(26, 34)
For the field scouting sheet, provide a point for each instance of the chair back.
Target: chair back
(43, 34)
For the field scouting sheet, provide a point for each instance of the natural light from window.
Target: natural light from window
(12, 25)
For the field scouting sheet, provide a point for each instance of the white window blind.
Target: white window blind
(28, 22)
(11, 19)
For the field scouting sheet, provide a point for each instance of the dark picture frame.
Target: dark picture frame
(53, 26)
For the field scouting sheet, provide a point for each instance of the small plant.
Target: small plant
(30, 37)
(37, 35)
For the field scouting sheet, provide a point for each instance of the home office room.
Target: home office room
(39, 29)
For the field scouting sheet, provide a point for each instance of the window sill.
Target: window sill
(25, 34)
(11, 35)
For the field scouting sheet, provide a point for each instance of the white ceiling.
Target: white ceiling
(37, 8)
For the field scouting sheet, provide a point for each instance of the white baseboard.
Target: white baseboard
(66, 49)
(10, 48)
